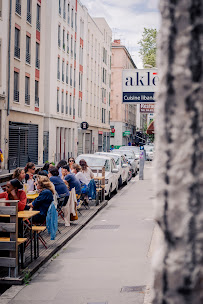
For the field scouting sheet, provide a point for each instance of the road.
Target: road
(107, 256)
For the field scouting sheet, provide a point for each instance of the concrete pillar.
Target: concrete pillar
(179, 147)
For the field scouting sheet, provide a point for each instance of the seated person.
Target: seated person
(14, 192)
(30, 171)
(64, 172)
(73, 182)
(44, 200)
(76, 169)
(59, 184)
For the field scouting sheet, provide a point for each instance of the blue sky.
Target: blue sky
(127, 19)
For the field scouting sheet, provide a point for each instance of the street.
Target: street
(107, 256)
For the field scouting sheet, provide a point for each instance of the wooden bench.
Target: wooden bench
(12, 242)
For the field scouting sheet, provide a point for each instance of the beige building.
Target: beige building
(123, 116)
(25, 99)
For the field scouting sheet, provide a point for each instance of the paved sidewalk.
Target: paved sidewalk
(109, 254)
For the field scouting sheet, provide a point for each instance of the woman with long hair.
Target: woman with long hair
(14, 191)
(30, 171)
(71, 162)
(79, 175)
(42, 202)
(60, 165)
(19, 174)
(86, 170)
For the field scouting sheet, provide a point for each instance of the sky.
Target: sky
(127, 19)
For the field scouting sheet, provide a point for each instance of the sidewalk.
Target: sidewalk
(107, 262)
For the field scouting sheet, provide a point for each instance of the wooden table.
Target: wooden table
(32, 197)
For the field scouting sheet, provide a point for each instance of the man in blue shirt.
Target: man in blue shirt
(73, 182)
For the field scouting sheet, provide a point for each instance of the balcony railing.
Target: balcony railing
(27, 57)
(36, 101)
(38, 25)
(59, 42)
(16, 95)
(57, 107)
(27, 99)
(58, 75)
(37, 64)
(67, 79)
(18, 8)
(17, 52)
(29, 17)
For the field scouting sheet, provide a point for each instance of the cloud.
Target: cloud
(127, 20)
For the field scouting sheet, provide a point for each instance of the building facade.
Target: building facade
(123, 116)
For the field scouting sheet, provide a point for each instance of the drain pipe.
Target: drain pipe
(9, 59)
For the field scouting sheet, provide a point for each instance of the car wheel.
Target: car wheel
(109, 194)
(120, 182)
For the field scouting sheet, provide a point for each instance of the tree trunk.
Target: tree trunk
(179, 147)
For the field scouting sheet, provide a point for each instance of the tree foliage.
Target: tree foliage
(148, 46)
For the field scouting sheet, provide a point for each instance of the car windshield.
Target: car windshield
(95, 162)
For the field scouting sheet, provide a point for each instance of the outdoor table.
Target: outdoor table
(31, 197)
(99, 185)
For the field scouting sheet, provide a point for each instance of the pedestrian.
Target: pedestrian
(30, 171)
(43, 201)
(86, 170)
(112, 148)
(129, 143)
(60, 165)
(71, 161)
(14, 191)
(60, 186)
(1, 159)
(77, 170)
(73, 182)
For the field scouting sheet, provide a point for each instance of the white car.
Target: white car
(149, 152)
(121, 164)
(111, 172)
(135, 149)
(131, 159)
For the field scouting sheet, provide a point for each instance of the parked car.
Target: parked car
(111, 172)
(135, 149)
(121, 164)
(131, 159)
(149, 152)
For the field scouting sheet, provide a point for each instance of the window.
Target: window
(75, 22)
(68, 13)
(73, 106)
(59, 35)
(62, 70)
(64, 46)
(66, 102)
(17, 43)
(75, 50)
(27, 56)
(18, 7)
(74, 79)
(57, 106)
(38, 17)
(67, 73)
(70, 108)
(27, 90)
(80, 108)
(58, 68)
(71, 75)
(72, 17)
(64, 10)
(16, 87)
(59, 7)
(37, 63)
(71, 46)
(80, 81)
(62, 102)
(29, 11)
(81, 56)
(36, 93)
(68, 43)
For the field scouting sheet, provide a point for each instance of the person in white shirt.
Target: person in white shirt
(76, 169)
(86, 170)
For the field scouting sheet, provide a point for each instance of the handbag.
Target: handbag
(74, 217)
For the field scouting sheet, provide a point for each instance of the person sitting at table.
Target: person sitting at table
(86, 170)
(14, 192)
(73, 182)
(60, 165)
(64, 171)
(30, 171)
(79, 175)
(59, 184)
(19, 174)
(43, 201)
(71, 162)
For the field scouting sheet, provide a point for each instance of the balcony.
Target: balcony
(37, 63)
(67, 79)
(27, 57)
(58, 75)
(38, 25)
(18, 8)
(29, 17)
(17, 52)
(59, 42)
(57, 107)
(27, 99)
(16, 95)
(36, 101)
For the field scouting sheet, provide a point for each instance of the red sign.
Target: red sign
(147, 108)
(113, 130)
(100, 132)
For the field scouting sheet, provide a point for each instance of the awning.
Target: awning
(150, 129)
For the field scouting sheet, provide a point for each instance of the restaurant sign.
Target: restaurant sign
(139, 85)
(147, 108)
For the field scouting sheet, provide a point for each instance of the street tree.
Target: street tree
(148, 46)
